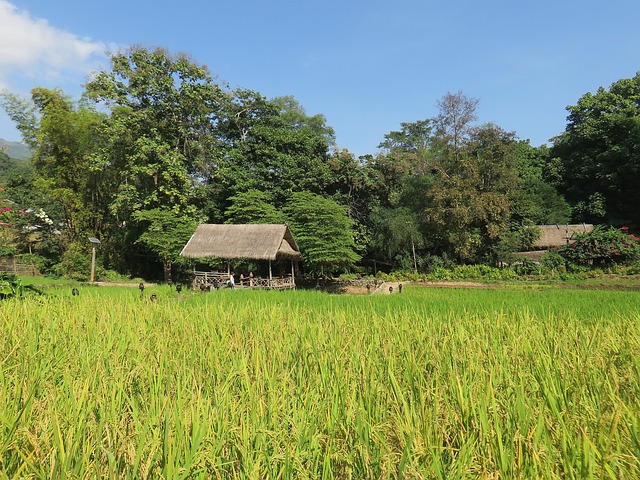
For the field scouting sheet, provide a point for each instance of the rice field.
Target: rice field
(433, 383)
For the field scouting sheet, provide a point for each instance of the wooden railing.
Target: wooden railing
(12, 266)
(211, 280)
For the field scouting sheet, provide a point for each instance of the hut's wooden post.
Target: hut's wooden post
(270, 279)
(293, 274)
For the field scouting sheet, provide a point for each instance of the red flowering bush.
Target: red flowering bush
(602, 246)
(6, 214)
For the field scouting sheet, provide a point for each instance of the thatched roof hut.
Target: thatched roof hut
(250, 242)
(558, 235)
(554, 236)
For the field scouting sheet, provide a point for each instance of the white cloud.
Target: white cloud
(30, 48)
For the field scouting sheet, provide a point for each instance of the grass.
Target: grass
(433, 383)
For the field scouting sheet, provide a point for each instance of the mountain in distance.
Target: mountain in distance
(16, 150)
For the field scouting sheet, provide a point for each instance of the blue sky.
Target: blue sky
(365, 65)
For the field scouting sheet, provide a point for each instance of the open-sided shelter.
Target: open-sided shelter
(266, 242)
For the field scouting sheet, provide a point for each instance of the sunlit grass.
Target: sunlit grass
(433, 383)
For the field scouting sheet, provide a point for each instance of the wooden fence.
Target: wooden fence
(11, 265)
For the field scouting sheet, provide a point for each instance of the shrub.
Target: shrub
(440, 273)
(75, 264)
(602, 247)
(480, 271)
(11, 286)
(553, 262)
(527, 267)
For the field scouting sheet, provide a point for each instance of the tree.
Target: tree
(599, 151)
(270, 146)
(252, 206)
(474, 169)
(397, 235)
(165, 234)
(64, 137)
(536, 200)
(323, 232)
(453, 122)
(160, 132)
(412, 137)
(163, 110)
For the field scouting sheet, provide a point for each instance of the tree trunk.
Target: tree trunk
(166, 263)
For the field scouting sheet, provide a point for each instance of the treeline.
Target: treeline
(156, 146)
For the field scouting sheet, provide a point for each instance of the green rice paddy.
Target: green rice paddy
(431, 383)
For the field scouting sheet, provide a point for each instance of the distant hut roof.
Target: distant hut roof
(256, 242)
(558, 235)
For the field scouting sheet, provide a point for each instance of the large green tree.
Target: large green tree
(64, 136)
(163, 110)
(252, 206)
(600, 153)
(536, 200)
(474, 169)
(270, 145)
(323, 232)
(401, 176)
(161, 130)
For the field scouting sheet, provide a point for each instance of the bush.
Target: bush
(472, 272)
(527, 267)
(604, 246)
(75, 264)
(42, 264)
(479, 272)
(398, 276)
(440, 273)
(11, 286)
(553, 262)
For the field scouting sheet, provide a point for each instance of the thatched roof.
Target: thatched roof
(558, 235)
(255, 242)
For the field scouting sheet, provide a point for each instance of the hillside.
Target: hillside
(16, 150)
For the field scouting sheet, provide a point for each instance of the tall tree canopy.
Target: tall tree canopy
(163, 111)
(600, 152)
(63, 137)
(474, 169)
(270, 145)
(323, 232)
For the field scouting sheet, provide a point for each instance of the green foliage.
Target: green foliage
(159, 129)
(165, 234)
(483, 272)
(516, 238)
(527, 267)
(271, 146)
(323, 231)
(468, 208)
(63, 137)
(553, 262)
(599, 151)
(252, 206)
(472, 272)
(10, 286)
(601, 247)
(166, 137)
(75, 263)
(535, 202)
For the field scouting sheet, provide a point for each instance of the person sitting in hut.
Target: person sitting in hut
(231, 282)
